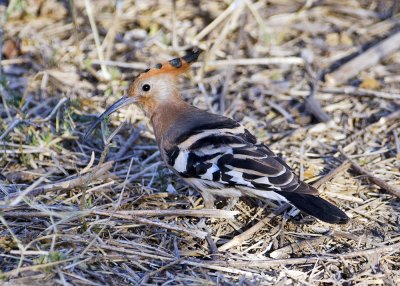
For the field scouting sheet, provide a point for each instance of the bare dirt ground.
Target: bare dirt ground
(318, 81)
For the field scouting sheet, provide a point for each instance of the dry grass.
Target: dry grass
(107, 212)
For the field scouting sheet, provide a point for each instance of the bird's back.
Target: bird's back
(218, 155)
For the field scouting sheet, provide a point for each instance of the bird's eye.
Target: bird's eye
(146, 87)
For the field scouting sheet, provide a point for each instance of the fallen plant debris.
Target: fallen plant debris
(105, 211)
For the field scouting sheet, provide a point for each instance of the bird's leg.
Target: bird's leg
(209, 200)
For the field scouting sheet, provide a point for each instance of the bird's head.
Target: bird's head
(153, 87)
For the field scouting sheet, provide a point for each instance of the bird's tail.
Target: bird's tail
(317, 207)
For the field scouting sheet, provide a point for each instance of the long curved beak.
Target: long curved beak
(123, 101)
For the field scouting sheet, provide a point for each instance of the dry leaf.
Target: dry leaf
(370, 83)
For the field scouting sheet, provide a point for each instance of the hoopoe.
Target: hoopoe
(215, 154)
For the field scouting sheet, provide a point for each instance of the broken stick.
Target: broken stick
(367, 59)
(379, 182)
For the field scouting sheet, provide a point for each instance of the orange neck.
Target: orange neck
(165, 115)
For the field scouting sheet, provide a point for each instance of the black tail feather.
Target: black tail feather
(317, 207)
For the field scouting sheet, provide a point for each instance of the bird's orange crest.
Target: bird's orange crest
(174, 67)
(150, 88)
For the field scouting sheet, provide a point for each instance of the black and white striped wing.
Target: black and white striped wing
(212, 157)
(219, 156)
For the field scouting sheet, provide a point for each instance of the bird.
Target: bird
(214, 154)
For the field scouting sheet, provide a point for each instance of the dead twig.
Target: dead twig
(356, 91)
(333, 173)
(193, 232)
(215, 22)
(99, 48)
(212, 245)
(124, 148)
(69, 183)
(227, 268)
(212, 213)
(379, 182)
(311, 103)
(10, 128)
(308, 244)
(239, 239)
(285, 251)
(266, 263)
(396, 142)
(369, 58)
(313, 106)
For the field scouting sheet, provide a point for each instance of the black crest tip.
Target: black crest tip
(177, 63)
(192, 55)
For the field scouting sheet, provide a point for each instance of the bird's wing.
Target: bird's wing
(231, 156)
(219, 155)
